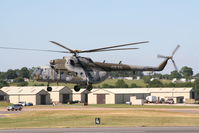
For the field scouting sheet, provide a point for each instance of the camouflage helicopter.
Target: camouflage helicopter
(83, 71)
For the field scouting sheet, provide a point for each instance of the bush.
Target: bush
(107, 86)
(155, 83)
(121, 84)
(19, 80)
(22, 84)
(133, 85)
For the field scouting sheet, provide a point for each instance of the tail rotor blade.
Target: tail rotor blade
(175, 65)
(178, 46)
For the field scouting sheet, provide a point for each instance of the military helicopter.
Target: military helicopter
(83, 71)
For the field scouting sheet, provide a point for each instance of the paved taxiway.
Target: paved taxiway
(109, 130)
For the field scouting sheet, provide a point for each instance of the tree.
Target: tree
(175, 74)
(11, 74)
(24, 72)
(19, 80)
(187, 72)
(121, 84)
(3, 83)
(2, 75)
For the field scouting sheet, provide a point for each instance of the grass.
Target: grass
(129, 82)
(143, 106)
(109, 118)
(108, 81)
(112, 82)
(4, 104)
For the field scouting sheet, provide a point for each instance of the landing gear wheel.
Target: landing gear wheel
(49, 88)
(77, 88)
(89, 87)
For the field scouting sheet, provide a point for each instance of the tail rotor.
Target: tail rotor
(171, 57)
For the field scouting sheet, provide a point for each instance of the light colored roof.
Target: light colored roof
(122, 90)
(82, 90)
(2, 92)
(169, 89)
(22, 90)
(143, 90)
(56, 88)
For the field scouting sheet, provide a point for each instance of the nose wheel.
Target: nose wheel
(49, 88)
(77, 88)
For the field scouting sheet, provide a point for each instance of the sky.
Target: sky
(88, 24)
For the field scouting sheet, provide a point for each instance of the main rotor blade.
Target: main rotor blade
(161, 56)
(98, 49)
(34, 49)
(175, 65)
(62, 46)
(178, 46)
(103, 50)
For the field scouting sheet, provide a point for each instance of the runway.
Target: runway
(109, 130)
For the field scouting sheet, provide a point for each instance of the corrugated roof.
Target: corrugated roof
(122, 90)
(22, 90)
(36, 89)
(143, 90)
(83, 90)
(56, 88)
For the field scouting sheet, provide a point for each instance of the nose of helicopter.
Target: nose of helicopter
(37, 73)
(52, 63)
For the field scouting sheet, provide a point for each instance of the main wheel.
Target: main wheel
(77, 88)
(89, 87)
(49, 88)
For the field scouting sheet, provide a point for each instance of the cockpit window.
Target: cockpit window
(72, 62)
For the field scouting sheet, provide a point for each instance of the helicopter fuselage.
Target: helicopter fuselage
(71, 69)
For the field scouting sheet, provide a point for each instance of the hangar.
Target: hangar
(115, 95)
(35, 95)
(81, 96)
(4, 96)
(60, 94)
(122, 95)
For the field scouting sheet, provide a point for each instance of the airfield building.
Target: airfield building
(3, 96)
(123, 95)
(27, 94)
(60, 94)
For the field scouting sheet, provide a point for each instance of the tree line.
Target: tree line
(17, 76)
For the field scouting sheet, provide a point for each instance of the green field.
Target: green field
(109, 81)
(112, 82)
(109, 118)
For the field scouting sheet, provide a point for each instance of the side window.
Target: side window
(81, 73)
(72, 62)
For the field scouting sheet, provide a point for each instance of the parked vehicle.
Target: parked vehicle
(29, 104)
(151, 99)
(74, 102)
(15, 107)
(22, 103)
(128, 103)
(169, 101)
